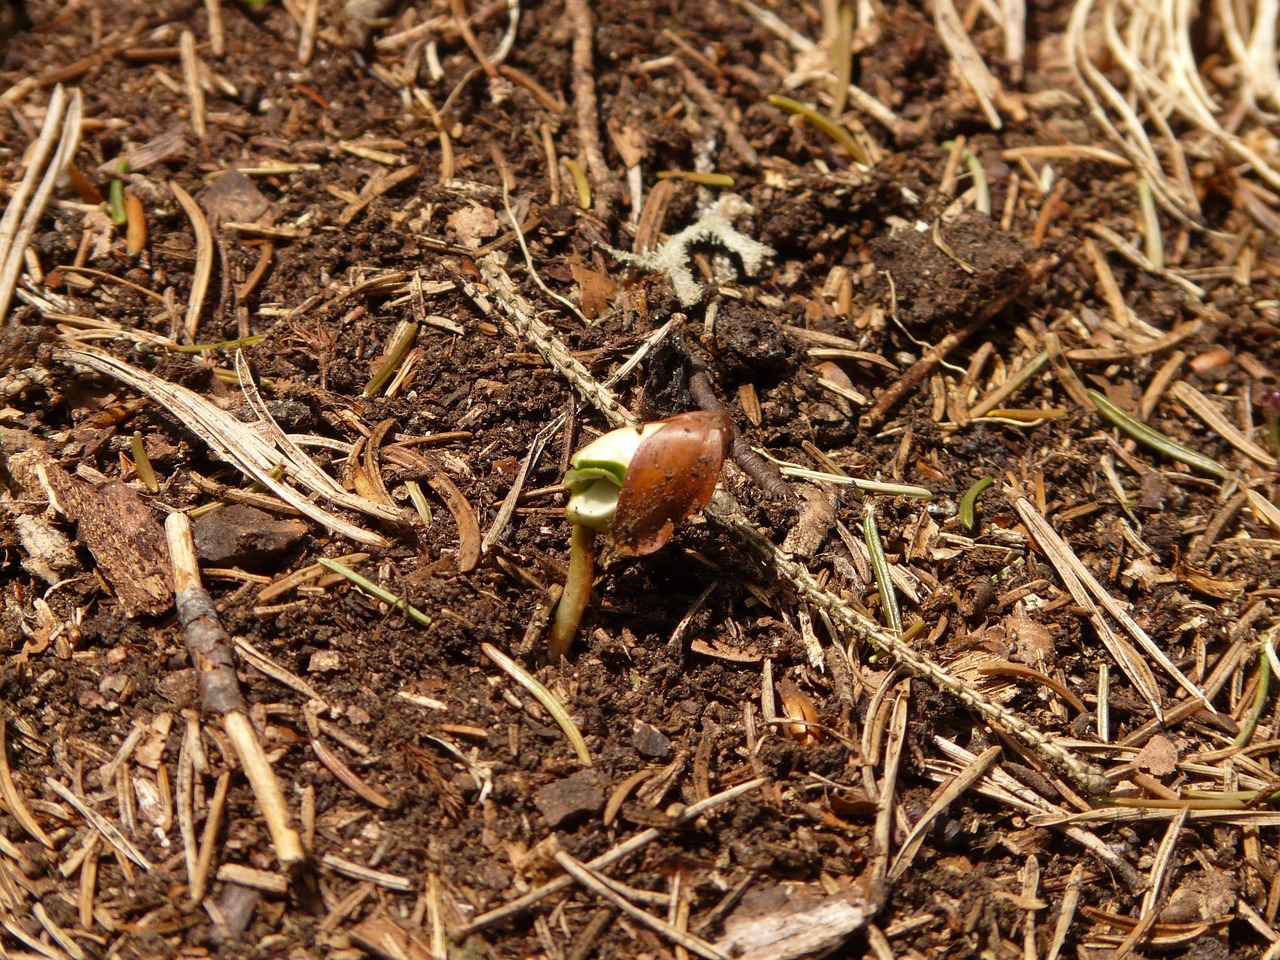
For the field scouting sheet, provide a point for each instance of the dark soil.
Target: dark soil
(467, 776)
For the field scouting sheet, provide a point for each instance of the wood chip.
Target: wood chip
(267, 882)
(120, 531)
(357, 871)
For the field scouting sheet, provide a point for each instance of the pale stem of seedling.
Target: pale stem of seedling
(577, 591)
(658, 474)
(593, 481)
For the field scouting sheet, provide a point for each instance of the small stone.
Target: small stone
(117, 686)
(242, 536)
(574, 797)
(358, 714)
(650, 742)
(234, 196)
(325, 661)
(474, 225)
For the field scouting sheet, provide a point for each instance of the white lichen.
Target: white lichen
(715, 226)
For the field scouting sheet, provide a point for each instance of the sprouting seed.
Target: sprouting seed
(636, 483)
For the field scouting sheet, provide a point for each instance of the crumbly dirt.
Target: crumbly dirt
(462, 777)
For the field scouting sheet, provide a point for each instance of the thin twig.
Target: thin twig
(307, 38)
(1081, 582)
(600, 886)
(210, 648)
(209, 838)
(586, 110)
(100, 823)
(13, 799)
(544, 697)
(217, 33)
(1067, 912)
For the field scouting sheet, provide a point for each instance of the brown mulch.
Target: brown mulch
(331, 183)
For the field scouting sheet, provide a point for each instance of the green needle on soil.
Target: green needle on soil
(1154, 439)
(970, 501)
(115, 195)
(397, 350)
(880, 566)
(371, 588)
(238, 344)
(1260, 696)
(833, 130)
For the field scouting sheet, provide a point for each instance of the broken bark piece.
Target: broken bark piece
(126, 540)
(49, 555)
(238, 535)
(650, 742)
(792, 920)
(383, 937)
(571, 798)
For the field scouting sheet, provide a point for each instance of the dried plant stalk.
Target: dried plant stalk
(244, 448)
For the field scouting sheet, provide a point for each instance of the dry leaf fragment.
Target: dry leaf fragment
(798, 707)
(473, 225)
(596, 289)
(1158, 758)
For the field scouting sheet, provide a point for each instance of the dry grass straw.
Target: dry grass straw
(1163, 86)
(973, 70)
(1155, 886)
(191, 80)
(55, 146)
(618, 852)
(204, 261)
(1004, 789)
(1090, 594)
(856, 96)
(246, 448)
(600, 884)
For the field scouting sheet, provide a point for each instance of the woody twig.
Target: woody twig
(210, 648)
